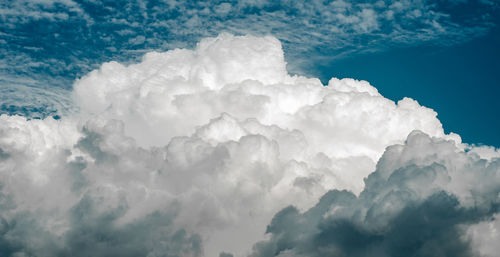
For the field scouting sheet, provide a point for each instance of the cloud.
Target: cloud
(192, 152)
(484, 236)
(94, 232)
(226, 75)
(58, 41)
(420, 201)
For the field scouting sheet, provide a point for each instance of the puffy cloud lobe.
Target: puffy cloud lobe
(246, 78)
(419, 202)
(192, 146)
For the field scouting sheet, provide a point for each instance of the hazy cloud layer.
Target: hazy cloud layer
(47, 44)
(192, 152)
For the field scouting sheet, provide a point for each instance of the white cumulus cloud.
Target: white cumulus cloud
(192, 152)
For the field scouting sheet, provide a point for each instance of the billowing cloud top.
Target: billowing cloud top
(246, 78)
(192, 152)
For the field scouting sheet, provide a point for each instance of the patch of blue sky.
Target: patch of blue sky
(46, 45)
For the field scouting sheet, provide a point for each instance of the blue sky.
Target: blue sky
(442, 53)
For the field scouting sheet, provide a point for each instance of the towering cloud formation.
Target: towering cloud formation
(192, 152)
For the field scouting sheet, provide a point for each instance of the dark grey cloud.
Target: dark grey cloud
(420, 201)
(96, 233)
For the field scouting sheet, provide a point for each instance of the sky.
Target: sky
(249, 128)
(459, 82)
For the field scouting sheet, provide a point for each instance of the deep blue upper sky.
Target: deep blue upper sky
(460, 82)
(442, 53)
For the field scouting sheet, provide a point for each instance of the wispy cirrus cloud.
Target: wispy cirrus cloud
(65, 39)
